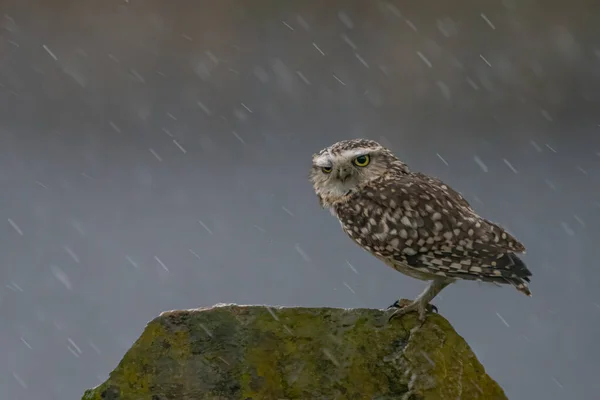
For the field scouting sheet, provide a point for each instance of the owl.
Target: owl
(412, 222)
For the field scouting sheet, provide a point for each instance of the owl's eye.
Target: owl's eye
(326, 170)
(362, 161)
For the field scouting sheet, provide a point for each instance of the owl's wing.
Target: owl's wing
(424, 224)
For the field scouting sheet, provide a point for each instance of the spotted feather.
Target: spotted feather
(415, 222)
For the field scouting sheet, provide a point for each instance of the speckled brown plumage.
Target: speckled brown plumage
(413, 222)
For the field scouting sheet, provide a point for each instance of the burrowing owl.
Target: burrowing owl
(412, 222)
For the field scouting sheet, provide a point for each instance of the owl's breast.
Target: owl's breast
(383, 248)
(374, 231)
(363, 224)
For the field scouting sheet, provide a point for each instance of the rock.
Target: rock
(262, 353)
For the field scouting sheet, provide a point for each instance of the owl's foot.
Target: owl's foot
(401, 303)
(421, 303)
(404, 306)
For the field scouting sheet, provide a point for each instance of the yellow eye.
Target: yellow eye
(326, 170)
(362, 161)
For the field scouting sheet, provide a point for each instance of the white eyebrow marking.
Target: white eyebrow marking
(356, 153)
(323, 160)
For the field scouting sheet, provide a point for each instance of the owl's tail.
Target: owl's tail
(522, 286)
(519, 273)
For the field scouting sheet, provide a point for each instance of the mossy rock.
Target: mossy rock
(262, 353)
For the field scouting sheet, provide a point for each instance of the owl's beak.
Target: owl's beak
(344, 173)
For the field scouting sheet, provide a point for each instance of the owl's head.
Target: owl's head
(350, 164)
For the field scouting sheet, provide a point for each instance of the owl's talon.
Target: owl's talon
(400, 303)
(398, 313)
(404, 306)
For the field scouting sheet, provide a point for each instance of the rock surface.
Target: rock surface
(262, 353)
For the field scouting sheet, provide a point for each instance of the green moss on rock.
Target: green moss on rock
(261, 353)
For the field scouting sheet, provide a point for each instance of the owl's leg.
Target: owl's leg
(421, 303)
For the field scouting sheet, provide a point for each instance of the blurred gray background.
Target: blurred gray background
(154, 155)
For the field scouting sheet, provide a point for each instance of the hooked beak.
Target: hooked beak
(343, 174)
